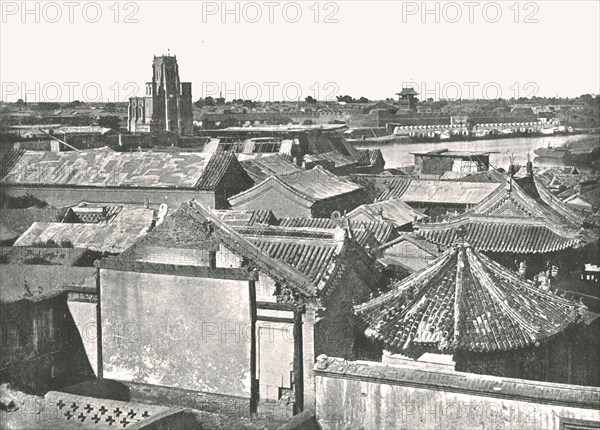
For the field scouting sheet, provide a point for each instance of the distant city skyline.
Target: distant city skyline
(372, 50)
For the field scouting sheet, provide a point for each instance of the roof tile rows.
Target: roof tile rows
(465, 301)
(394, 188)
(336, 158)
(261, 167)
(383, 231)
(107, 168)
(395, 211)
(312, 185)
(502, 236)
(312, 256)
(512, 220)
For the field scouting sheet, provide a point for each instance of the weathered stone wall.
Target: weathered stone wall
(366, 395)
(41, 346)
(174, 331)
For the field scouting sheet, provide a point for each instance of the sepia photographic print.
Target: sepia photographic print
(300, 215)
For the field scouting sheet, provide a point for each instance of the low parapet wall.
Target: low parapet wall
(373, 395)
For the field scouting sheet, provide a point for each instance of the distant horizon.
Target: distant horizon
(395, 100)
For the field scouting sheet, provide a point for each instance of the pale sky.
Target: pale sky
(372, 49)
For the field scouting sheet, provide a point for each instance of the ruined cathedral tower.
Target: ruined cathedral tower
(167, 105)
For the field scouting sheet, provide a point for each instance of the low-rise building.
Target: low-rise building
(400, 214)
(230, 318)
(443, 163)
(312, 193)
(490, 319)
(519, 222)
(259, 167)
(138, 178)
(97, 228)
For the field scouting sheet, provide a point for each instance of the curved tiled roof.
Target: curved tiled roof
(513, 220)
(246, 218)
(395, 187)
(503, 235)
(447, 192)
(383, 231)
(314, 254)
(465, 301)
(394, 211)
(192, 226)
(312, 185)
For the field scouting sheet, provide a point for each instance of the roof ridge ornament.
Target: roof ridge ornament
(461, 235)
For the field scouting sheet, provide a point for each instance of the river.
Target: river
(398, 155)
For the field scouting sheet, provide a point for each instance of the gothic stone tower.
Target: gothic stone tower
(167, 105)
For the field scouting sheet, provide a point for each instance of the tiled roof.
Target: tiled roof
(550, 205)
(261, 167)
(492, 176)
(312, 252)
(113, 235)
(394, 188)
(502, 235)
(383, 231)
(416, 240)
(465, 301)
(338, 159)
(511, 220)
(8, 160)
(407, 91)
(247, 218)
(312, 185)
(107, 168)
(217, 166)
(446, 192)
(320, 143)
(394, 211)
(192, 226)
(383, 186)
